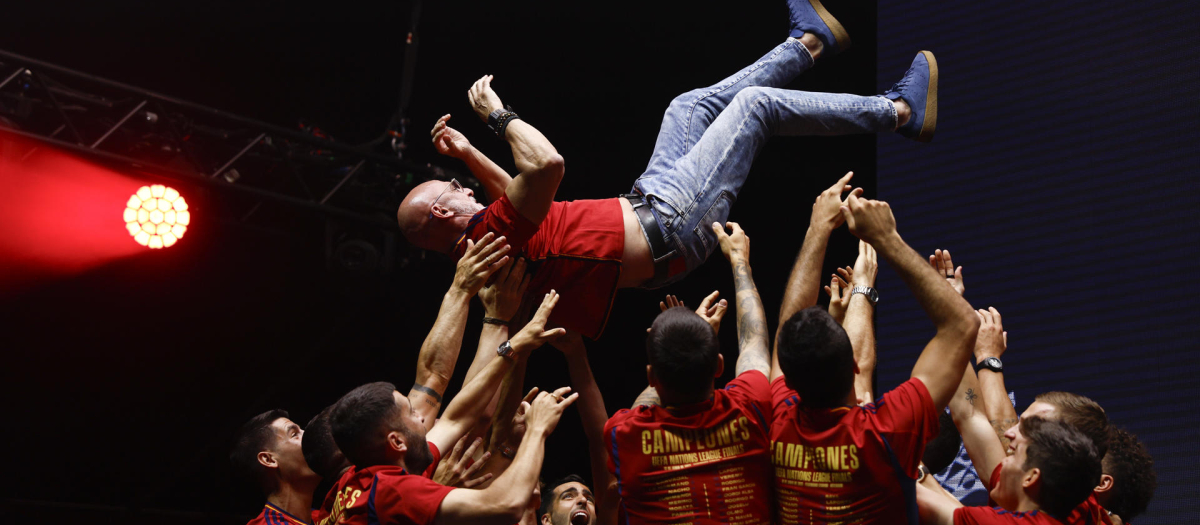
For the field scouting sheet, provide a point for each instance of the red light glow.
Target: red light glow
(156, 216)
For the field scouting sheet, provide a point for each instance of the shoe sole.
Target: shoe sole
(930, 123)
(839, 33)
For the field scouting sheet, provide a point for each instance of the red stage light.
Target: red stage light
(156, 216)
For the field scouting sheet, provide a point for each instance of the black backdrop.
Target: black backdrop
(125, 383)
(1063, 180)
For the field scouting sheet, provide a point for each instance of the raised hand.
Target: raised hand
(547, 408)
(992, 340)
(480, 261)
(483, 100)
(826, 214)
(869, 220)
(448, 140)
(944, 266)
(839, 293)
(711, 313)
(535, 334)
(453, 470)
(502, 298)
(866, 267)
(733, 244)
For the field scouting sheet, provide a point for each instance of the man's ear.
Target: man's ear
(720, 366)
(441, 212)
(857, 370)
(1106, 483)
(1033, 479)
(267, 459)
(396, 442)
(545, 519)
(651, 379)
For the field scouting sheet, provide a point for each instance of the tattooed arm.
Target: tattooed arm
(753, 343)
(967, 410)
(992, 342)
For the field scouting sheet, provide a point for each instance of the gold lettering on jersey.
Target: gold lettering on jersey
(809, 466)
(705, 443)
(345, 498)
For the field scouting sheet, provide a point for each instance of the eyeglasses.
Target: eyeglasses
(452, 185)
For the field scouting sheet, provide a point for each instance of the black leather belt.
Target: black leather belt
(658, 246)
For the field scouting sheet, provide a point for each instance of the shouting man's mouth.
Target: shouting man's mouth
(580, 517)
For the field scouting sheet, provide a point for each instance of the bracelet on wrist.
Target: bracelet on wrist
(495, 320)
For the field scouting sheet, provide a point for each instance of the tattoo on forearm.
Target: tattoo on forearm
(429, 392)
(971, 396)
(753, 347)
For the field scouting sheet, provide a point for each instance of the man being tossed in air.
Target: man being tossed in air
(654, 236)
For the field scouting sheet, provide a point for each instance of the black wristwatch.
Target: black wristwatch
(505, 349)
(991, 363)
(871, 293)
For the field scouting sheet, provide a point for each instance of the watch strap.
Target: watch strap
(871, 293)
(992, 363)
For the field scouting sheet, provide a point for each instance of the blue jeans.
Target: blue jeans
(710, 136)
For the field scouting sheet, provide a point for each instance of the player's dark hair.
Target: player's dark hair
(1081, 413)
(1132, 470)
(548, 499)
(1067, 461)
(255, 436)
(320, 450)
(360, 421)
(940, 451)
(683, 350)
(816, 358)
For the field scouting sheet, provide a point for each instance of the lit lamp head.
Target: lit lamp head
(156, 216)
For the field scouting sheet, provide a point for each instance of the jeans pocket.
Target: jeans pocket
(717, 212)
(664, 211)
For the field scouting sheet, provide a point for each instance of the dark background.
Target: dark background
(1057, 173)
(128, 381)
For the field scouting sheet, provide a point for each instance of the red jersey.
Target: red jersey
(999, 516)
(272, 515)
(384, 494)
(1087, 513)
(850, 464)
(701, 463)
(576, 251)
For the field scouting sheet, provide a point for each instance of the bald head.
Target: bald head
(413, 214)
(435, 213)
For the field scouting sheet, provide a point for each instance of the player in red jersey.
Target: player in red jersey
(268, 451)
(686, 452)
(659, 232)
(835, 461)
(1127, 481)
(1052, 470)
(380, 433)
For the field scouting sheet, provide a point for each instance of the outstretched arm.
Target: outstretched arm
(967, 410)
(463, 412)
(805, 281)
(859, 324)
(507, 498)
(992, 342)
(941, 364)
(541, 167)
(439, 352)
(753, 343)
(594, 416)
(452, 143)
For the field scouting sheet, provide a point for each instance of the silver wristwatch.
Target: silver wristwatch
(871, 294)
(505, 349)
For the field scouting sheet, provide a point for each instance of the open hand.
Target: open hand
(502, 298)
(453, 470)
(480, 261)
(711, 313)
(992, 340)
(733, 244)
(547, 408)
(535, 334)
(448, 140)
(839, 293)
(483, 100)
(826, 213)
(866, 267)
(944, 266)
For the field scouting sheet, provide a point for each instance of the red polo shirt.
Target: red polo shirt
(576, 251)
(384, 494)
(999, 516)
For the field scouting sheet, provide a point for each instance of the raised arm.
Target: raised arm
(992, 342)
(754, 346)
(805, 281)
(463, 412)
(859, 323)
(439, 352)
(501, 302)
(941, 364)
(593, 415)
(967, 410)
(452, 143)
(541, 167)
(934, 507)
(505, 500)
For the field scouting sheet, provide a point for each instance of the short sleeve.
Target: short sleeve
(783, 398)
(437, 458)
(407, 500)
(501, 218)
(751, 392)
(907, 418)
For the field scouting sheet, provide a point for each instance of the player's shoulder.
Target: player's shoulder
(625, 417)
